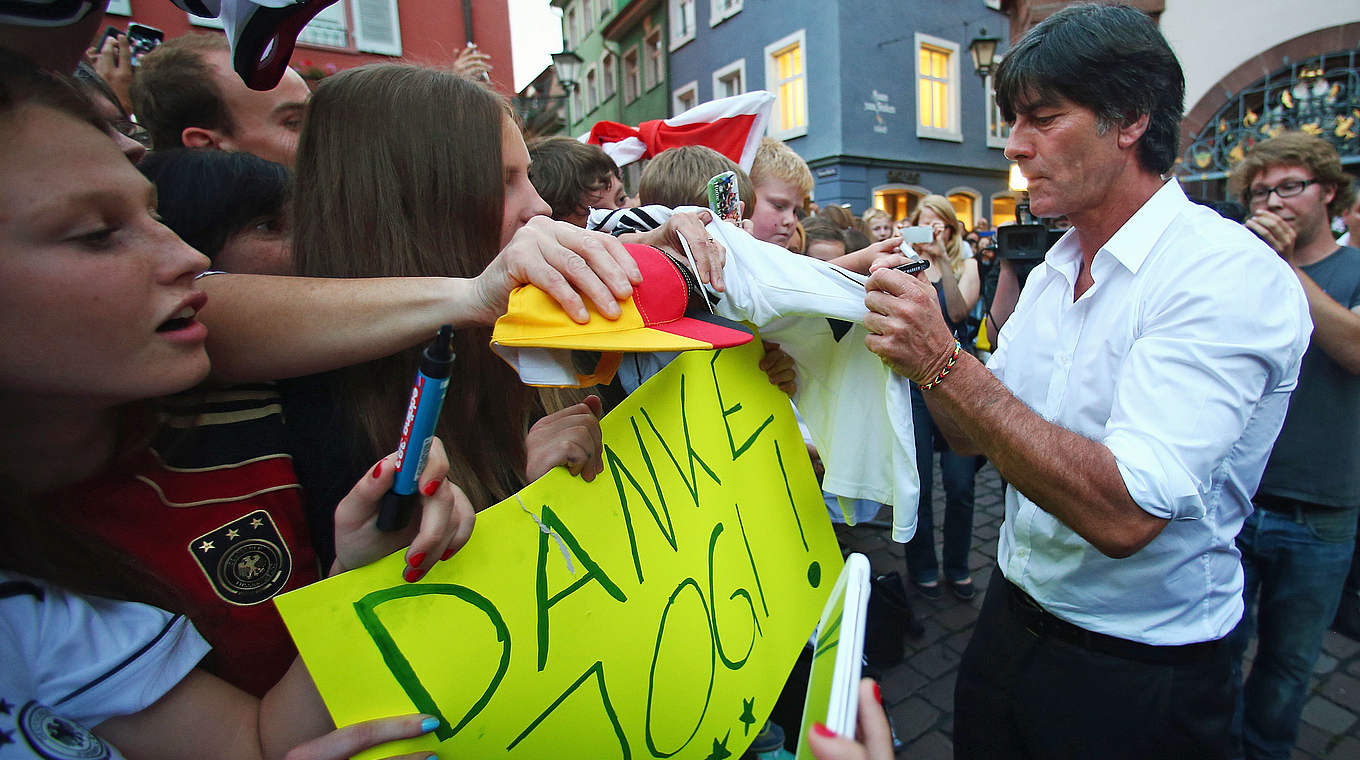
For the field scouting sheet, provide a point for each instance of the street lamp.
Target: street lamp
(983, 51)
(567, 65)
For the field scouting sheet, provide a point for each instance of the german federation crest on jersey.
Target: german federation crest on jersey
(246, 560)
(56, 738)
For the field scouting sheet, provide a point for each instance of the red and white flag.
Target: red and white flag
(732, 126)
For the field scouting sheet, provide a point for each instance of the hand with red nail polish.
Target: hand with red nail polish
(442, 526)
(875, 737)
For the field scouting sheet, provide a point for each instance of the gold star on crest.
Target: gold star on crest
(233, 534)
(205, 546)
(257, 522)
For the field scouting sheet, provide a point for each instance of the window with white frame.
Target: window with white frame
(586, 17)
(607, 68)
(632, 76)
(786, 77)
(682, 22)
(721, 10)
(654, 60)
(327, 27)
(592, 88)
(375, 27)
(937, 88)
(684, 98)
(569, 35)
(577, 112)
(730, 80)
(998, 131)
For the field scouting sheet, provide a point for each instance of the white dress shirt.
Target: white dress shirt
(1180, 360)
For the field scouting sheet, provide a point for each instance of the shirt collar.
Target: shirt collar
(1135, 239)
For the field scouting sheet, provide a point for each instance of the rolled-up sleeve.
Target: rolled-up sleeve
(1191, 383)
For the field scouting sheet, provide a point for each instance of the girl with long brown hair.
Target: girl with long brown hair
(406, 171)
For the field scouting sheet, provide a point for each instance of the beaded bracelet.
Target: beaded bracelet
(947, 366)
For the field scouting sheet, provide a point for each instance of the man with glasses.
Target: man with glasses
(1296, 547)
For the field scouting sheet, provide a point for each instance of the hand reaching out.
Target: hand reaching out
(569, 437)
(779, 367)
(709, 254)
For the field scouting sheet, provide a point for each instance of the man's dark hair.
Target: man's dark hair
(1108, 58)
(207, 195)
(175, 88)
(563, 170)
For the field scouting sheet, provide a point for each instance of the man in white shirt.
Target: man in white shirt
(1130, 405)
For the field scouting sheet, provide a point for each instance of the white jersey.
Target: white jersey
(857, 410)
(68, 663)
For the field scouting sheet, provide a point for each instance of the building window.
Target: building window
(720, 10)
(607, 76)
(606, 7)
(899, 202)
(998, 131)
(654, 66)
(965, 206)
(682, 22)
(592, 88)
(785, 76)
(366, 26)
(730, 80)
(587, 16)
(569, 28)
(327, 28)
(1003, 210)
(632, 76)
(937, 91)
(685, 98)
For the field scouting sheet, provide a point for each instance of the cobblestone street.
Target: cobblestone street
(919, 692)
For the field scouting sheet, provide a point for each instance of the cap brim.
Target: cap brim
(684, 334)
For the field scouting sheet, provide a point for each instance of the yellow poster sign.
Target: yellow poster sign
(654, 612)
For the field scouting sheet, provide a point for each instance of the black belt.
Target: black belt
(1283, 505)
(1044, 624)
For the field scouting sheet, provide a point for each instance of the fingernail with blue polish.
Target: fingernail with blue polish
(428, 725)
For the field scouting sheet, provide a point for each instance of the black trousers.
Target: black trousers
(1028, 687)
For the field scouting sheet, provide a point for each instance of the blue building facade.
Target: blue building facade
(881, 99)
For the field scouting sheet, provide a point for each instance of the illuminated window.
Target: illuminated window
(1003, 210)
(785, 76)
(899, 202)
(937, 95)
(964, 204)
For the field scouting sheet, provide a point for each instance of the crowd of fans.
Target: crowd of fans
(331, 240)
